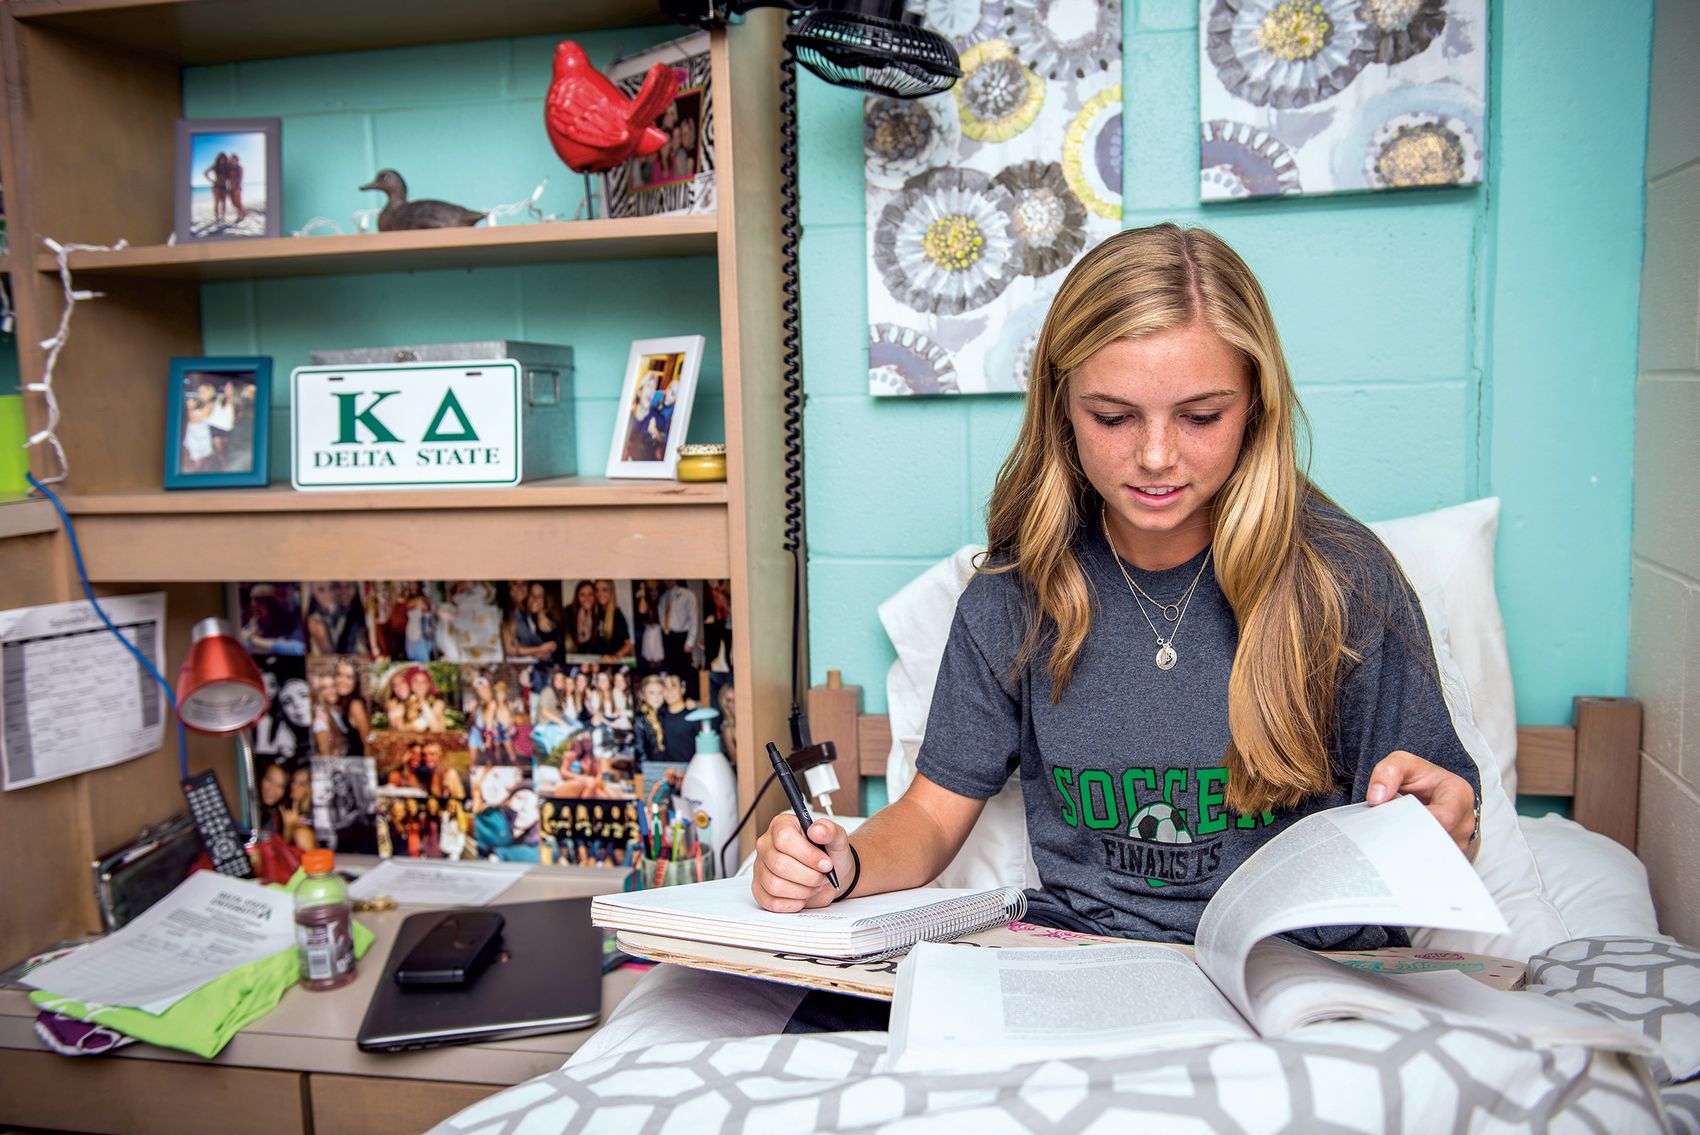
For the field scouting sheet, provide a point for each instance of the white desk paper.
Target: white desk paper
(436, 882)
(202, 930)
(72, 698)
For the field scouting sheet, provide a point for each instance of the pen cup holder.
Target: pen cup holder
(647, 872)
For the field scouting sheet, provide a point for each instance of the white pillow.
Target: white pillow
(1597, 884)
(1449, 552)
(1504, 862)
(918, 618)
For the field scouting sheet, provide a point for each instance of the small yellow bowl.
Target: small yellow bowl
(703, 462)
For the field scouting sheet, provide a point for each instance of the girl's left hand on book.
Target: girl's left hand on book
(1448, 796)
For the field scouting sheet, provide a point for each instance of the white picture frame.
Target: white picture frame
(635, 450)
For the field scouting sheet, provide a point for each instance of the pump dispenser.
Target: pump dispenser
(710, 789)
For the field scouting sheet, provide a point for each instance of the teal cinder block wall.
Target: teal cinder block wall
(1448, 344)
(462, 123)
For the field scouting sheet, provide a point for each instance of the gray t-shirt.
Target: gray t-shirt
(1123, 778)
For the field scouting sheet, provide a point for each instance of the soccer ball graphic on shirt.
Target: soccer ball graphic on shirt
(1159, 823)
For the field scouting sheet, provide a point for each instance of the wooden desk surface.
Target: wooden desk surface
(314, 1032)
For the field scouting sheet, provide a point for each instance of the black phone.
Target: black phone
(453, 951)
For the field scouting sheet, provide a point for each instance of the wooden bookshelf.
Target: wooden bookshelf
(92, 93)
(225, 31)
(416, 250)
(602, 528)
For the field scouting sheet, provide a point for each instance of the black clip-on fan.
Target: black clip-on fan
(869, 45)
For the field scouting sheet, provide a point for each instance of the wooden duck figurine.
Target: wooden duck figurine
(400, 213)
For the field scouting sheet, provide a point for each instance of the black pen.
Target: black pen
(789, 783)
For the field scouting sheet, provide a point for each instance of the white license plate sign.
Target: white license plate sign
(405, 427)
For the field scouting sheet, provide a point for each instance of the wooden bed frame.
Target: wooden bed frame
(1595, 762)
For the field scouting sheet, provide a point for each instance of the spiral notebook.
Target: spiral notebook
(725, 912)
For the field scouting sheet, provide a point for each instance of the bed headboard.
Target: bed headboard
(1595, 761)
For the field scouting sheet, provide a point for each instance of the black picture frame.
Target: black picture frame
(204, 209)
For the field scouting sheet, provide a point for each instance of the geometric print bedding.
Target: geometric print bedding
(1410, 1073)
(1650, 986)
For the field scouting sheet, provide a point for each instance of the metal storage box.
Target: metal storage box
(398, 417)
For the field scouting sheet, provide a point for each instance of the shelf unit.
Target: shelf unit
(93, 90)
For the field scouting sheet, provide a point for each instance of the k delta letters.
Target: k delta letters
(449, 440)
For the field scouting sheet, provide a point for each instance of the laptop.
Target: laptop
(545, 977)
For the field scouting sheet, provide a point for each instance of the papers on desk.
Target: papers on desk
(202, 930)
(427, 882)
(71, 697)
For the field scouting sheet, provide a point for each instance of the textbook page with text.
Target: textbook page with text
(1390, 865)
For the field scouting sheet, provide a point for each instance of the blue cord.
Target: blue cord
(82, 574)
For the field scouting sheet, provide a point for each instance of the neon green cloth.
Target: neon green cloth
(205, 1020)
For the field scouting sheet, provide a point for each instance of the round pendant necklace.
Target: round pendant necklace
(1166, 654)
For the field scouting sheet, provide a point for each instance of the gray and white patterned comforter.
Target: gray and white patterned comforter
(1413, 1073)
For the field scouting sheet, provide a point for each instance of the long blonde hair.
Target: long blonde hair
(1287, 597)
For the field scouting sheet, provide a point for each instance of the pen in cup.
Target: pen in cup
(788, 781)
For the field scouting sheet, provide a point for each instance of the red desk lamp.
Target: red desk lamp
(219, 692)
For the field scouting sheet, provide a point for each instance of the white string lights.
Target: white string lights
(47, 435)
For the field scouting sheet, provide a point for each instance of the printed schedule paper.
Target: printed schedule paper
(428, 882)
(205, 928)
(72, 698)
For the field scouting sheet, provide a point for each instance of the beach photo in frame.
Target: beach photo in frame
(218, 423)
(654, 411)
(229, 179)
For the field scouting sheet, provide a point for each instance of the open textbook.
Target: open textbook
(1390, 865)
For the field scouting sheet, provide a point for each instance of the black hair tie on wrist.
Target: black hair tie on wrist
(854, 879)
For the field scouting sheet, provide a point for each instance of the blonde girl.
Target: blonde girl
(1175, 638)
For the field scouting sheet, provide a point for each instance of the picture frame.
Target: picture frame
(221, 439)
(653, 414)
(680, 178)
(229, 179)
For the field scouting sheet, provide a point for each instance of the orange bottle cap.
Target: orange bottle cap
(318, 862)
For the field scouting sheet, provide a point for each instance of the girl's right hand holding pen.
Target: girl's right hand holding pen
(790, 871)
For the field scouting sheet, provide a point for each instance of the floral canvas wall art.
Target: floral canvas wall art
(979, 199)
(1331, 96)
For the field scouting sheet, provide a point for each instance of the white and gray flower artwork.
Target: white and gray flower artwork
(980, 199)
(1329, 96)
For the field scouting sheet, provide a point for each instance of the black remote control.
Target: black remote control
(218, 831)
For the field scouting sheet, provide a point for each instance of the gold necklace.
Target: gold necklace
(1166, 655)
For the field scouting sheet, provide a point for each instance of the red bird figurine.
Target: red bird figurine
(593, 126)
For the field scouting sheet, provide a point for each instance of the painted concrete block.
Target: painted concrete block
(1667, 460)
(844, 628)
(227, 324)
(1166, 15)
(326, 159)
(1669, 844)
(532, 58)
(440, 75)
(1160, 123)
(1658, 609)
(1355, 464)
(600, 307)
(829, 132)
(1673, 123)
(210, 92)
(885, 478)
(1367, 292)
(478, 155)
(993, 425)
(1670, 275)
(835, 309)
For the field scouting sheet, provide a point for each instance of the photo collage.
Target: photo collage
(516, 720)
